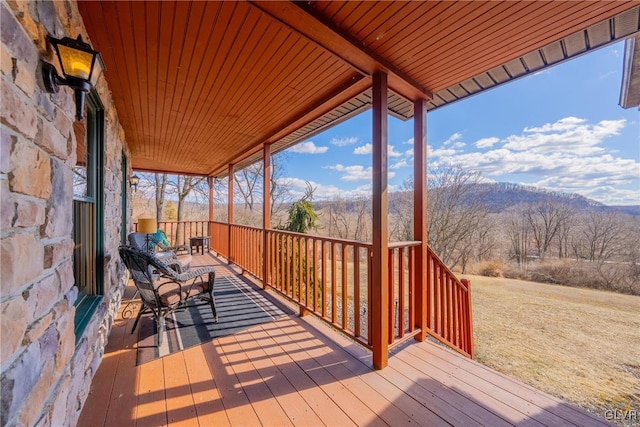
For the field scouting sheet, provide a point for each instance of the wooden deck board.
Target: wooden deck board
(206, 396)
(297, 371)
(320, 402)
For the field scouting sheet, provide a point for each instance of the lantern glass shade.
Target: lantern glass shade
(78, 60)
(147, 225)
(98, 68)
(75, 63)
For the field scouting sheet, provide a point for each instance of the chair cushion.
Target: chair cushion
(185, 261)
(170, 292)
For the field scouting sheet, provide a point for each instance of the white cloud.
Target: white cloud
(409, 152)
(308, 147)
(568, 154)
(409, 141)
(324, 192)
(608, 74)
(391, 151)
(356, 172)
(368, 149)
(353, 173)
(341, 142)
(434, 153)
(400, 164)
(453, 138)
(363, 149)
(570, 135)
(487, 142)
(544, 71)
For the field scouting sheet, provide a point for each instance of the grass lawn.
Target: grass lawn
(581, 345)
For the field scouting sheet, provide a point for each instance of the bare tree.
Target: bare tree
(545, 220)
(248, 184)
(161, 180)
(247, 181)
(455, 210)
(280, 187)
(350, 219)
(401, 210)
(183, 186)
(517, 231)
(600, 236)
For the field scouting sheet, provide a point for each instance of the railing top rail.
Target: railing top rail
(405, 244)
(447, 270)
(326, 239)
(176, 222)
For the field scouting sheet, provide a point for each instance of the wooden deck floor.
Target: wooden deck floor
(296, 371)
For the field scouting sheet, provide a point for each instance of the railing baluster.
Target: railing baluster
(345, 289)
(333, 282)
(356, 290)
(390, 289)
(324, 278)
(400, 292)
(412, 289)
(307, 279)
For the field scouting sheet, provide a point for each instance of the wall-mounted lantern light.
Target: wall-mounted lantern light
(134, 181)
(81, 67)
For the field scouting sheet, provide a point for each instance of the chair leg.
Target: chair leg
(142, 310)
(160, 327)
(212, 302)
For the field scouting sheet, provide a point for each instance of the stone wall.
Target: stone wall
(45, 376)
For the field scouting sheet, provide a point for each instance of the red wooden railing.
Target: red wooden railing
(219, 232)
(327, 277)
(331, 278)
(449, 315)
(401, 288)
(246, 248)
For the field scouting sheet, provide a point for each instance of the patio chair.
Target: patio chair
(182, 253)
(162, 289)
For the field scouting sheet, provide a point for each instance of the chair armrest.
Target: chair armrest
(194, 272)
(179, 248)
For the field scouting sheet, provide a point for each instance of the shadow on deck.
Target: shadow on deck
(297, 371)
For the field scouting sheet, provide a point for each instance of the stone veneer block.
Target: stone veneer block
(28, 214)
(59, 209)
(14, 313)
(16, 111)
(55, 253)
(30, 171)
(21, 259)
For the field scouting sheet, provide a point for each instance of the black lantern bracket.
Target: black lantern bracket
(81, 67)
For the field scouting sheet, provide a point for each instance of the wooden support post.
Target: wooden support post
(469, 325)
(230, 213)
(210, 227)
(421, 297)
(379, 280)
(266, 212)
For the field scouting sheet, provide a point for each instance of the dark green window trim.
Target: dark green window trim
(86, 305)
(89, 299)
(124, 191)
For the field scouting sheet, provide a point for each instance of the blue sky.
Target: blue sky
(560, 129)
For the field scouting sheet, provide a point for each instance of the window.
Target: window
(88, 214)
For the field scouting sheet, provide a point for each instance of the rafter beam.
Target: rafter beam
(302, 19)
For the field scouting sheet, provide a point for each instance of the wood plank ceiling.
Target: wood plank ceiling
(199, 85)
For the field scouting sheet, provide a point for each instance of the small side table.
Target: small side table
(199, 242)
